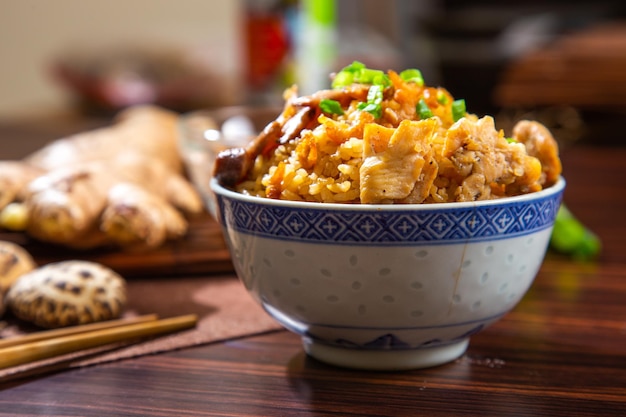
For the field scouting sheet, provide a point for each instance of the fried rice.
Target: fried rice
(393, 141)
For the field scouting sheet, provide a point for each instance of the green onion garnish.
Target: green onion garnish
(356, 66)
(381, 79)
(343, 79)
(423, 110)
(367, 76)
(375, 94)
(442, 98)
(412, 76)
(374, 100)
(346, 75)
(458, 109)
(357, 72)
(372, 108)
(331, 106)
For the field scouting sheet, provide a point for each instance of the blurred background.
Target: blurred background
(560, 61)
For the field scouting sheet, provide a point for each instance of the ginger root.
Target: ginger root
(137, 218)
(14, 176)
(72, 191)
(14, 216)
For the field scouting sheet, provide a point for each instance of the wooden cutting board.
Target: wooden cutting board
(201, 251)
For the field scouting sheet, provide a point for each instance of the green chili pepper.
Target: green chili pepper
(571, 237)
(331, 106)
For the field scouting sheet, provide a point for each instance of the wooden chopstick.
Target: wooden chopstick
(67, 331)
(47, 348)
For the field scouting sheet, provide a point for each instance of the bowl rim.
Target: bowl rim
(553, 190)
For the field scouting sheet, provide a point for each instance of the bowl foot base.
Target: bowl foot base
(386, 360)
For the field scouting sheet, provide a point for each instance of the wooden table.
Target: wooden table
(560, 352)
(584, 69)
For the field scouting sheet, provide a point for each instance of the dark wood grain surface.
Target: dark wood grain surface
(585, 69)
(560, 352)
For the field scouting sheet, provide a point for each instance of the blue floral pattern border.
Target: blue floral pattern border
(390, 341)
(317, 225)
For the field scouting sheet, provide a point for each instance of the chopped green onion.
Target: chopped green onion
(442, 98)
(381, 79)
(331, 106)
(458, 109)
(346, 75)
(423, 110)
(412, 75)
(343, 79)
(367, 76)
(356, 66)
(372, 108)
(375, 94)
(357, 72)
(374, 100)
(511, 140)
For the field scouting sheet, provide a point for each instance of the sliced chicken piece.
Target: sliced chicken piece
(485, 163)
(540, 143)
(394, 160)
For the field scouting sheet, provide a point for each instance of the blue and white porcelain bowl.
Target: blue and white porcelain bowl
(387, 287)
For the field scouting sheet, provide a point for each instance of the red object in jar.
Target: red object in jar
(267, 45)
